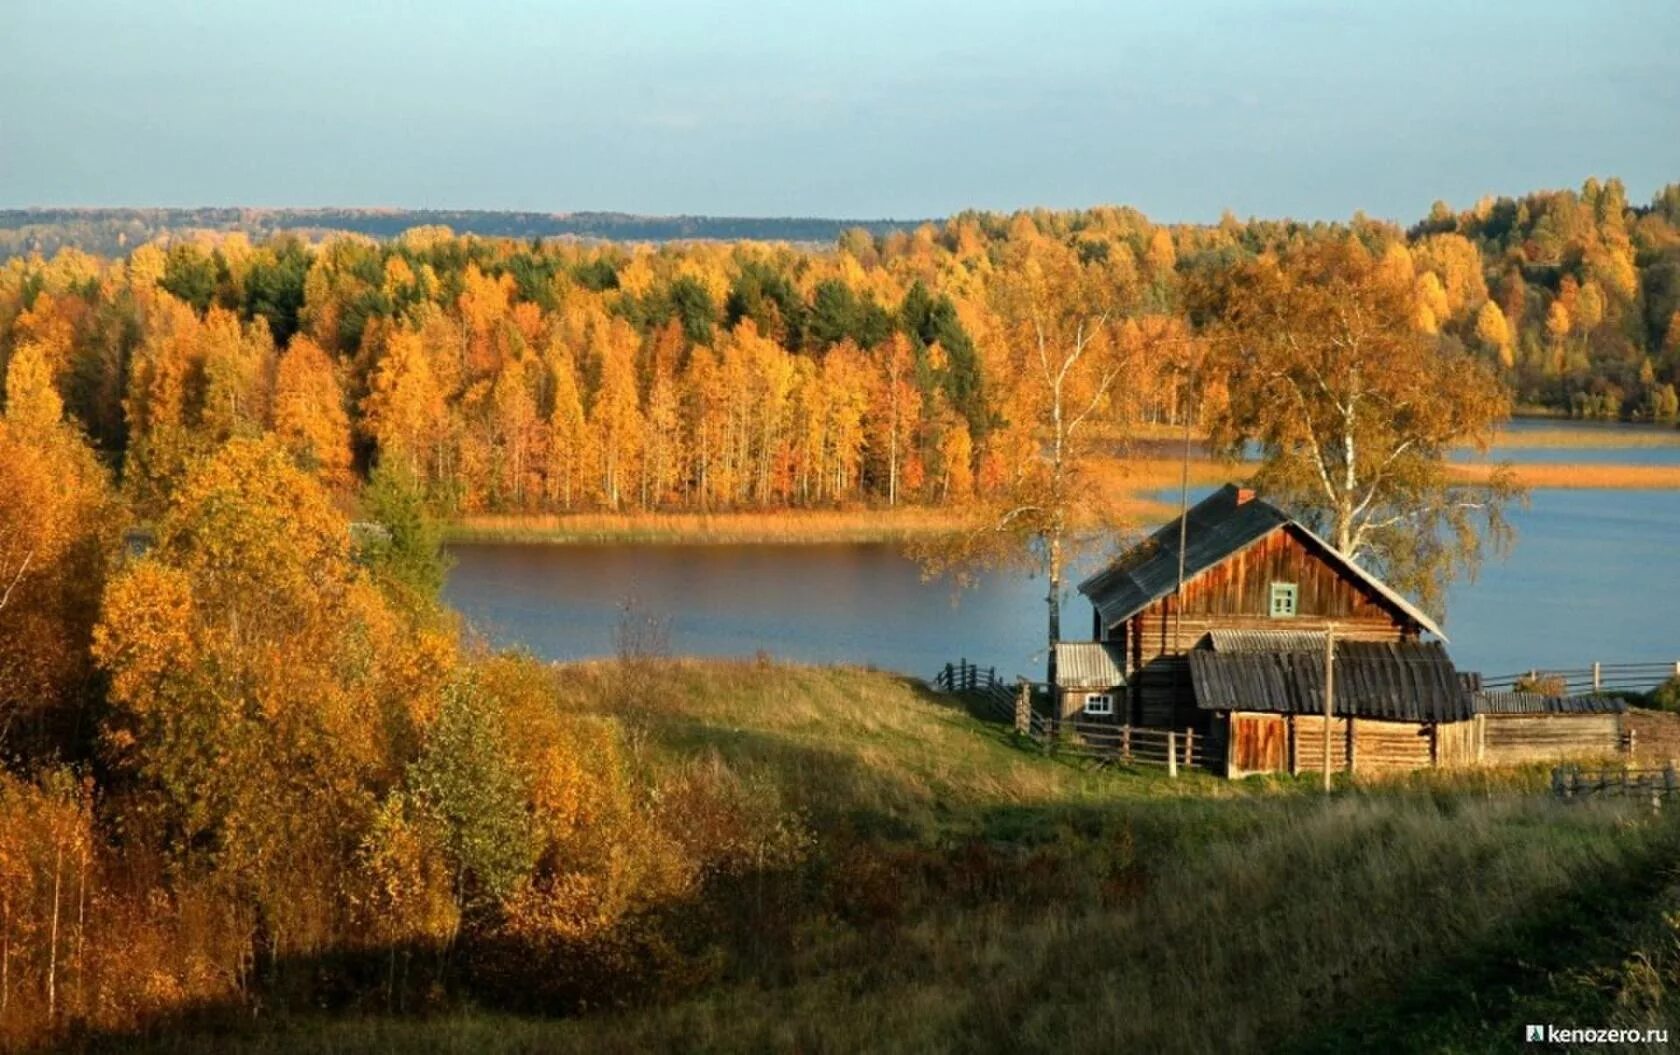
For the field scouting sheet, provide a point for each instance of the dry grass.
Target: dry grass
(1607, 438)
(842, 740)
(776, 526)
(1134, 483)
(972, 896)
(1584, 477)
(1312, 915)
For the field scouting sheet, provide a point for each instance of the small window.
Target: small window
(1283, 600)
(1099, 703)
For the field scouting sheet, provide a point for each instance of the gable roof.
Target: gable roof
(1089, 665)
(1219, 527)
(1400, 681)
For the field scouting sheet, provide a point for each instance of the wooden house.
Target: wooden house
(1247, 567)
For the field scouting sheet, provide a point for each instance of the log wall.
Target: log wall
(1512, 739)
(1391, 747)
(1377, 747)
(1656, 734)
(1306, 743)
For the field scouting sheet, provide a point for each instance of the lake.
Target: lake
(1594, 575)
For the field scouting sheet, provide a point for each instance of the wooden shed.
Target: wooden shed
(1247, 566)
(1518, 727)
(1397, 706)
(1090, 681)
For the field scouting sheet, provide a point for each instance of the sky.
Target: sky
(861, 110)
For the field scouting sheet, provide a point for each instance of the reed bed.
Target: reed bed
(769, 526)
(1584, 477)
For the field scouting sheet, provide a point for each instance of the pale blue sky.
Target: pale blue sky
(860, 110)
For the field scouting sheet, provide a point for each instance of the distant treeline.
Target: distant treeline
(514, 375)
(114, 231)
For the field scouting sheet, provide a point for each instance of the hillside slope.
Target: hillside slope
(967, 895)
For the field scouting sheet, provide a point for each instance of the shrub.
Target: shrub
(1666, 697)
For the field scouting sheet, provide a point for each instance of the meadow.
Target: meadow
(964, 894)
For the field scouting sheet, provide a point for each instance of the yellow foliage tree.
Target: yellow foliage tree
(59, 532)
(310, 417)
(1494, 333)
(263, 693)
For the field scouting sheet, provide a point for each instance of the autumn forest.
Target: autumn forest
(249, 760)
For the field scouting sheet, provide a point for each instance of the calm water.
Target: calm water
(1594, 575)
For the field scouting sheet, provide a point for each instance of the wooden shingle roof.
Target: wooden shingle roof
(1538, 703)
(1219, 527)
(1400, 681)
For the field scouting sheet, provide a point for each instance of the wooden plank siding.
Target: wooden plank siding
(1512, 739)
(1236, 594)
(1257, 743)
(1458, 744)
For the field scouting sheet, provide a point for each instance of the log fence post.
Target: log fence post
(1023, 709)
(1598, 677)
(1172, 754)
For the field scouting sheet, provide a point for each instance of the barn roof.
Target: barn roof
(1089, 665)
(1219, 527)
(1538, 703)
(1401, 681)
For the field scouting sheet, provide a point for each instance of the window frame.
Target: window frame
(1108, 704)
(1281, 590)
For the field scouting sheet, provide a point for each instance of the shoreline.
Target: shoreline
(782, 527)
(1133, 485)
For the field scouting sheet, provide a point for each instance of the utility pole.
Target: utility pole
(1183, 529)
(1329, 695)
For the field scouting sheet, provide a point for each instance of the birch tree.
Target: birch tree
(1354, 409)
(1059, 323)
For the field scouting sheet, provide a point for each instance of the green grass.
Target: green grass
(969, 895)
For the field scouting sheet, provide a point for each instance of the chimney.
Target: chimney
(1245, 495)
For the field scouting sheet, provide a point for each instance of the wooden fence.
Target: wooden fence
(1589, 680)
(1572, 783)
(982, 682)
(1106, 743)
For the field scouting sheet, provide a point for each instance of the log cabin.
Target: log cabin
(1247, 566)
(1238, 653)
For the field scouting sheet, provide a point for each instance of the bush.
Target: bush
(1543, 684)
(1666, 697)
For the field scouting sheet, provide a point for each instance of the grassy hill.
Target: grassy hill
(965, 894)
